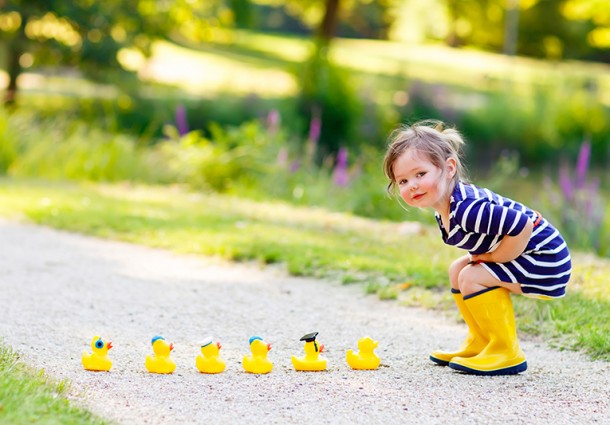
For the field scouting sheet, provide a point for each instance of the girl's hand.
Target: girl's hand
(509, 248)
(482, 258)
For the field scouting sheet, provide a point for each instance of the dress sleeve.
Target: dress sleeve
(482, 216)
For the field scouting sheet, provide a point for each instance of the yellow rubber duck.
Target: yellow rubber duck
(258, 361)
(311, 361)
(98, 360)
(160, 362)
(365, 358)
(209, 360)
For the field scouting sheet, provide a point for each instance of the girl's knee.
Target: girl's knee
(466, 281)
(455, 269)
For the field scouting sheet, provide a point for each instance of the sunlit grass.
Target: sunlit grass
(27, 396)
(309, 241)
(410, 268)
(202, 72)
(430, 62)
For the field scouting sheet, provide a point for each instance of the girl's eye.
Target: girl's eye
(421, 174)
(401, 182)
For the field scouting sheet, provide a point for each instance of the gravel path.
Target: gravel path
(60, 289)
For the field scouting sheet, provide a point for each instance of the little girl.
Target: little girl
(511, 248)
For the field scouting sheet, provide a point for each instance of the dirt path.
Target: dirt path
(60, 289)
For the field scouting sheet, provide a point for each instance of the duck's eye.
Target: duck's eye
(99, 343)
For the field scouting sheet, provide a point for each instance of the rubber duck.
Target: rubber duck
(98, 360)
(209, 360)
(311, 361)
(160, 362)
(258, 361)
(365, 358)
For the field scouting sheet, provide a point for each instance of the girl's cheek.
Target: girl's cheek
(405, 196)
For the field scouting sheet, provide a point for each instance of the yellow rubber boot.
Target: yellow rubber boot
(493, 311)
(475, 340)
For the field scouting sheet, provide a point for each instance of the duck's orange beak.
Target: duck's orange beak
(219, 346)
(321, 348)
(171, 346)
(109, 345)
(268, 347)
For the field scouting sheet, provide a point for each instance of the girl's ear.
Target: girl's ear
(451, 166)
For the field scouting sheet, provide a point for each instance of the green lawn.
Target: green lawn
(384, 60)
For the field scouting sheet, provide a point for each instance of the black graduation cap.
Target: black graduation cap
(311, 337)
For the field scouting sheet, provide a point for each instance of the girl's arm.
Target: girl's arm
(510, 247)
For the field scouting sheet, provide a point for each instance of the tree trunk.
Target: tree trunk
(511, 27)
(14, 69)
(14, 52)
(329, 22)
(452, 39)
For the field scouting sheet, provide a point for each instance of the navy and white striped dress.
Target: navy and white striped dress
(479, 219)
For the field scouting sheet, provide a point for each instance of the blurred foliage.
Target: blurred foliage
(259, 160)
(348, 101)
(357, 18)
(78, 151)
(558, 29)
(88, 36)
(327, 91)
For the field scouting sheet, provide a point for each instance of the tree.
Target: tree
(327, 27)
(327, 94)
(87, 34)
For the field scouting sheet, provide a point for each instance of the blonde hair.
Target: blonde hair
(431, 138)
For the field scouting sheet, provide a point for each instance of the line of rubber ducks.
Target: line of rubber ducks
(209, 361)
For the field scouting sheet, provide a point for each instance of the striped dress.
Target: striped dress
(479, 219)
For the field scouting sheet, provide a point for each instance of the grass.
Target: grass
(410, 269)
(27, 396)
(308, 241)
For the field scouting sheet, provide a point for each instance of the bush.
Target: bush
(328, 94)
(235, 157)
(64, 149)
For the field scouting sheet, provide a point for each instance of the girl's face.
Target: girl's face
(421, 183)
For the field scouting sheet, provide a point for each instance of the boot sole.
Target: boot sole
(512, 370)
(439, 361)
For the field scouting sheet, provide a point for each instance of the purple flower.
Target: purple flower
(314, 135)
(314, 128)
(583, 208)
(181, 121)
(282, 157)
(273, 121)
(582, 164)
(294, 166)
(340, 175)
